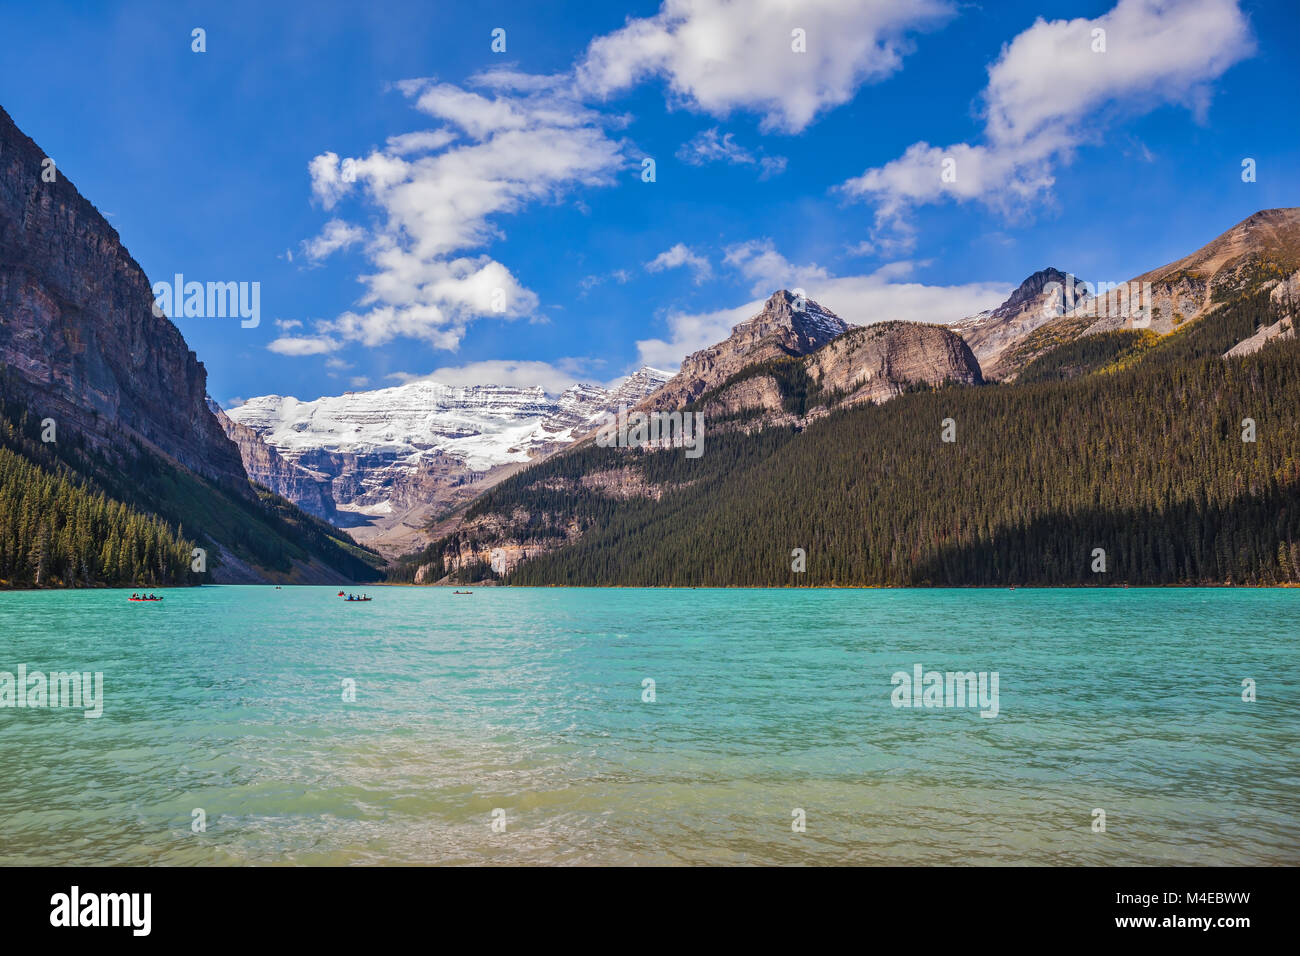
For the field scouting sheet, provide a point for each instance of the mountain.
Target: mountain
(268, 468)
(876, 458)
(77, 325)
(129, 437)
(395, 457)
(1262, 252)
(789, 366)
(1139, 464)
(786, 326)
(1037, 301)
(871, 363)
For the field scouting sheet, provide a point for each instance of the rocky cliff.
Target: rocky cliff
(871, 363)
(78, 331)
(80, 344)
(268, 468)
(875, 363)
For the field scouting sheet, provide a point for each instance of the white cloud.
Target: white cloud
(424, 141)
(678, 256)
(287, 324)
(718, 56)
(767, 270)
(552, 377)
(303, 345)
(439, 194)
(712, 146)
(336, 235)
(1050, 92)
(880, 296)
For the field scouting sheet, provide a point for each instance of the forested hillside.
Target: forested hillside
(1124, 444)
(73, 516)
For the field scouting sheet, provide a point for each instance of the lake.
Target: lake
(249, 725)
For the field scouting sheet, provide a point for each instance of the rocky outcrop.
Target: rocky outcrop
(266, 467)
(787, 325)
(875, 363)
(759, 393)
(78, 330)
(871, 363)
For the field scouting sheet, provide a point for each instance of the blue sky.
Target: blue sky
(414, 203)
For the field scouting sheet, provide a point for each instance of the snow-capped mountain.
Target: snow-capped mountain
(392, 448)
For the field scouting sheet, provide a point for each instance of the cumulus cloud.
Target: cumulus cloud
(882, 295)
(678, 256)
(718, 56)
(439, 195)
(1052, 90)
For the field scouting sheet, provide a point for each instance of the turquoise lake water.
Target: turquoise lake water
(530, 702)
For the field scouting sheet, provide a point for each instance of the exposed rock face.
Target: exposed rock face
(781, 329)
(761, 392)
(872, 363)
(1041, 298)
(854, 365)
(875, 363)
(490, 539)
(266, 467)
(77, 325)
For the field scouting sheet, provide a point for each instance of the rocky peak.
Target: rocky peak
(806, 324)
(1031, 289)
(309, 490)
(1037, 301)
(787, 325)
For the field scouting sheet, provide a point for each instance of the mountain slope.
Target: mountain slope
(871, 363)
(371, 449)
(1262, 252)
(81, 347)
(266, 467)
(77, 324)
(388, 463)
(782, 382)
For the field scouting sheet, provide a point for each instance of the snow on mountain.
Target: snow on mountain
(365, 443)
